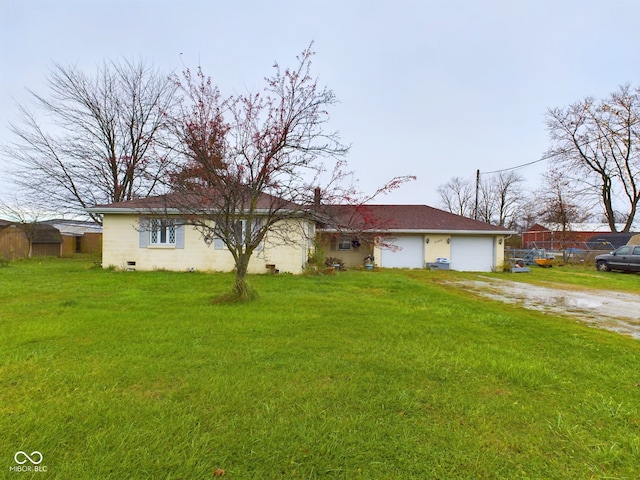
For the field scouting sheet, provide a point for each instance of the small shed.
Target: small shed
(78, 236)
(46, 241)
(21, 240)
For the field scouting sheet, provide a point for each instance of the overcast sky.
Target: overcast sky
(435, 89)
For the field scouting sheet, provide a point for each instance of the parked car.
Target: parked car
(625, 258)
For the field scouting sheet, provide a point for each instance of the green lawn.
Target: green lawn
(371, 375)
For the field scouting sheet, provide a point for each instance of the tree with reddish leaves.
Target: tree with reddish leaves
(254, 161)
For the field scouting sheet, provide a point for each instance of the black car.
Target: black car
(625, 258)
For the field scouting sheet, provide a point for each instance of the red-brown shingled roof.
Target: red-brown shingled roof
(413, 217)
(180, 202)
(363, 217)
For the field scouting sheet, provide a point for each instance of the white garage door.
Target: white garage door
(472, 254)
(410, 253)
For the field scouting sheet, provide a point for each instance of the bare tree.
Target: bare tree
(458, 196)
(99, 141)
(557, 202)
(597, 143)
(507, 199)
(24, 216)
(255, 160)
(486, 201)
(499, 202)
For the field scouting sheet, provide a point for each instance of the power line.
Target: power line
(541, 159)
(551, 155)
(545, 157)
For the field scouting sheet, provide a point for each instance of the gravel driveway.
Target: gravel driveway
(619, 312)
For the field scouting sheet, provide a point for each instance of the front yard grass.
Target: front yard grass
(372, 375)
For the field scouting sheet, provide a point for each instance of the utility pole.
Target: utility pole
(475, 210)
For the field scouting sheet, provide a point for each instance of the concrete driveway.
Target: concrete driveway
(619, 312)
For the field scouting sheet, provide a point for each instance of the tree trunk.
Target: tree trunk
(607, 203)
(632, 215)
(242, 292)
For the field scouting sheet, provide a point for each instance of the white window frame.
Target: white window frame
(162, 231)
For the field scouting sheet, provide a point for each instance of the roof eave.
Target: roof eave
(128, 210)
(171, 211)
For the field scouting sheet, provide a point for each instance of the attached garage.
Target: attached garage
(422, 235)
(472, 253)
(409, 254)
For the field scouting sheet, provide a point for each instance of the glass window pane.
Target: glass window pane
(162, 232)
(344, 243)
